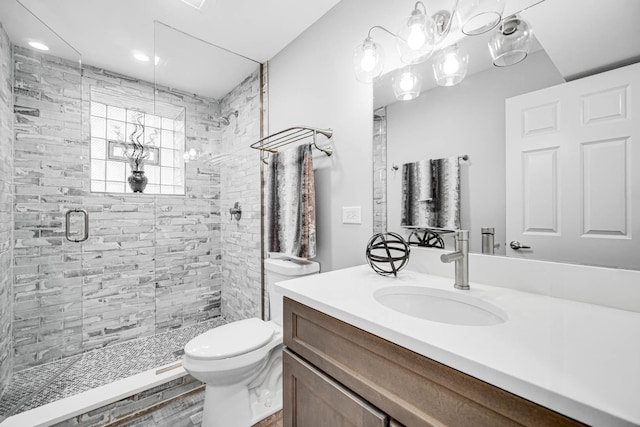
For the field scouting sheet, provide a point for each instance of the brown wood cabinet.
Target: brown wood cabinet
(320, 401)
(338, 375)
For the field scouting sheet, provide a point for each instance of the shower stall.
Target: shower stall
(99, 281)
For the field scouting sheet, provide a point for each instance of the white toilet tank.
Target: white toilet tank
(278, 270)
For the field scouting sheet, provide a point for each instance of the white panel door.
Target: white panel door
(573, 171)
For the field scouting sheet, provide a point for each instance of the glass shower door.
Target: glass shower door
(49, 182)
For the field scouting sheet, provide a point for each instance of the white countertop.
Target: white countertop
(579, 359)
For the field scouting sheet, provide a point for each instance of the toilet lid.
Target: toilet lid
(230, 340)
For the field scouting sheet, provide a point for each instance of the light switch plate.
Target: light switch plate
(351, 215)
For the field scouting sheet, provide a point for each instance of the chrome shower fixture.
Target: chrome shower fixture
(225, 119)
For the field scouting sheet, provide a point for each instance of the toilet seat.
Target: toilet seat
(230, 340)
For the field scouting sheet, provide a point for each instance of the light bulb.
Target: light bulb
(406, 84)
(192, 152)
(368, 61)
(406, 81)
(416, 37)
(451, 64)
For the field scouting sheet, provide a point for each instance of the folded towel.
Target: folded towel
(431, 194)
(291, 214)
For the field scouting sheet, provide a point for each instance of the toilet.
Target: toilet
(241, 362)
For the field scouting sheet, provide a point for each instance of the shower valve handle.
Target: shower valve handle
(236, 211)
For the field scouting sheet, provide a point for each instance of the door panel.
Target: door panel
(571, 185)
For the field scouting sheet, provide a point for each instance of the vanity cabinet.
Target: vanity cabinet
(317, 400)
(336, 374)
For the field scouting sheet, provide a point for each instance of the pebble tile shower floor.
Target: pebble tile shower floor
(53, 381)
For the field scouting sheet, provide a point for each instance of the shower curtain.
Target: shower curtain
(431, 194)
(291, 210)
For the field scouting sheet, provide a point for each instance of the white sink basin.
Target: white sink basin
(439, 305)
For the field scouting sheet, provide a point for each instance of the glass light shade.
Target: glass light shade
(406, 84)
(450, 66)
(368, 61)
(416, 38)
(511, 43)
(479, 16)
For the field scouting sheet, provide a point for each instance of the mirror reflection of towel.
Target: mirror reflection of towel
(291, 204)
(431, 194)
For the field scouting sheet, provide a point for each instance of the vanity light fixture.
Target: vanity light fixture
(418, 36)
(420, 33)
(38, 45)
(450, 66)
(511, 42)
(368, 59)
(406, 84)
(476, 17)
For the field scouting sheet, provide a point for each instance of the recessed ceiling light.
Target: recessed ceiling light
(196, 4)
(38, 45)
(141, 56)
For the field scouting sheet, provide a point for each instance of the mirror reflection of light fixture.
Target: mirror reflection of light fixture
(190, 155)
(406, 84)
(450, 66)
(479, 16)
(511, 42)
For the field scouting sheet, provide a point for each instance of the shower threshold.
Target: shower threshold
(98, 378)
(87, 401)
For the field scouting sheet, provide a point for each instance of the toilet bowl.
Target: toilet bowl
(241, 362)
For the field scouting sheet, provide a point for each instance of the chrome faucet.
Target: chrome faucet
(461, 258)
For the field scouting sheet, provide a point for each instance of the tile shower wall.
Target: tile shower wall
(241, 291)
(6, 167)
(151, 262)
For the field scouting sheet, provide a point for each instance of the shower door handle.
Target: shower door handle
(85, 215)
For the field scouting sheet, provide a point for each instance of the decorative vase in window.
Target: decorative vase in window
(137, 153)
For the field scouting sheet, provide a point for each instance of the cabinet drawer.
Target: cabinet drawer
(313, 399)
(413, 389)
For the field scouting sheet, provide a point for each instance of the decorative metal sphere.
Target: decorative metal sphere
(426, 238)
(387, 253)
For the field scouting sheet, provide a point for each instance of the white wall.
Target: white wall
(311, 82)
(465, 119)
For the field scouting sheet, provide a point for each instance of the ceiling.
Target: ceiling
(185, 40)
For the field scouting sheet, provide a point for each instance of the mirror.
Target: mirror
(469, 118)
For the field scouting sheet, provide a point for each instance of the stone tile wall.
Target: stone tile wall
(241, 261)
(380, 170)
(151, 262)
(6, 194)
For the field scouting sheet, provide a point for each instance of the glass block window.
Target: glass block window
(130, 136)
